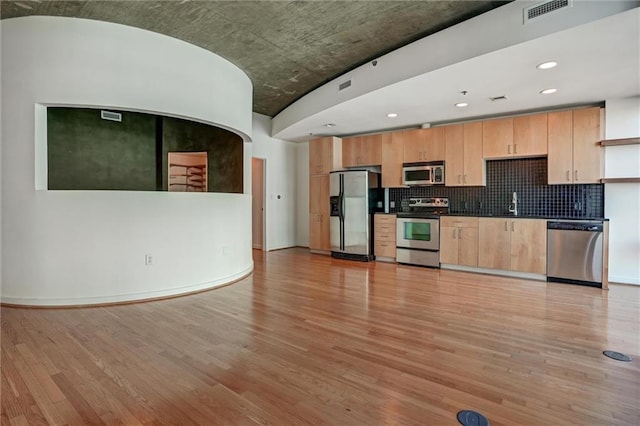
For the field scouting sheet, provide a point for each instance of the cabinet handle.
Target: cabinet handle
(512, 227)
(460, 233)
(567, 175)
(515, 148)
(506, 223)
(464, 179)
(508, 149)
(576, 174)
(459, 178)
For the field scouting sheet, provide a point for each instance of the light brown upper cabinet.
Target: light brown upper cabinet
(575, 155)
(362, 151)
(524, 136)
(325, 155)
(497, 138)
(423, 145)
(392, 151)
(530, 135)
(463, 155)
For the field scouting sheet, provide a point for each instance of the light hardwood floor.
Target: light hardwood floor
(308, 339)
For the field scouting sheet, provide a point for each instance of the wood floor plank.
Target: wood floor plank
(308, 339)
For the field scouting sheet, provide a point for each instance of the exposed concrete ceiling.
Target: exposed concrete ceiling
(287, 48)
(595, 43)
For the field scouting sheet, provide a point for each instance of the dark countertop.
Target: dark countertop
(506, 216)
(510, 216)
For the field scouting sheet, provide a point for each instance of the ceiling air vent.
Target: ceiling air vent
(109, 115)
(499, 98)
(544, 8)
(344, 85)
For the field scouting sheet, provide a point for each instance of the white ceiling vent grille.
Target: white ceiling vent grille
(544, 8)
(344, 85)
(110, 115)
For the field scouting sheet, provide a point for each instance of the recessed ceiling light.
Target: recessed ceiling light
(547, 65)
(392, 115)
(462, 104)
(548, 91)
(329, 125)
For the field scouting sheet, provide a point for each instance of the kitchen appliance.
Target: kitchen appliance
(352, 196)
(574, 252)
(414, 174)
(418, 231)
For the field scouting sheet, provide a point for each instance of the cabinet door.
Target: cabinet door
(587, 153)
(474, 174)
(529, 245)
(370, 150)
(434, 140)
(392, 155)
(530, 135)
(319, 212)
(384, 249)
(560, 147)
(318, 190)
(468, 246)
(315, 156)
(321, 155)
(497, 137)
(454, 154)
(350, 151)
(449, 245)
(494, 238)
(413, 145)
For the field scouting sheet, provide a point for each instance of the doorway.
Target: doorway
(257, 204)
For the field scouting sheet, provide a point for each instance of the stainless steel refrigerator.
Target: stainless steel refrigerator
(352, 196)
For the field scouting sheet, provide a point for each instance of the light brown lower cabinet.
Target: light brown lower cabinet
(459, 240)
(513, 244)
(384, 241)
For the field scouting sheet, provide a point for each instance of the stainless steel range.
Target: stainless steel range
(418, 231)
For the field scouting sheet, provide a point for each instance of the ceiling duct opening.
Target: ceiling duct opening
(545, 8)
(498, 98)
(110, 115)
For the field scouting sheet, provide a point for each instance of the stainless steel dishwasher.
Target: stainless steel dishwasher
(574, 252)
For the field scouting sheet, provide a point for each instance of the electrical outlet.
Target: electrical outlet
(148, 259)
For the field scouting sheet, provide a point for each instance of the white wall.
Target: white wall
(302, 195)
(622, 200)
(280, 182)
(81, 247)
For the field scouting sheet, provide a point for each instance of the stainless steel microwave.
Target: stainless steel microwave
(423, 174)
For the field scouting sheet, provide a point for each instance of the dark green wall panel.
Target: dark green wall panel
(87, 152)
(224, 152)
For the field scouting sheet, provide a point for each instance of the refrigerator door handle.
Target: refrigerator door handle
(341, 203)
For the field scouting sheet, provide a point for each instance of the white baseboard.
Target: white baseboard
(514, 274)
(622, 279)
(130, 297)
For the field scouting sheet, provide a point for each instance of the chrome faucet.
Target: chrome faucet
(514, 204)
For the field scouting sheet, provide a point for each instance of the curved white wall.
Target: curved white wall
(82, 247)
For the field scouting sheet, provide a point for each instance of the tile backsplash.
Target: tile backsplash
(527, 177)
